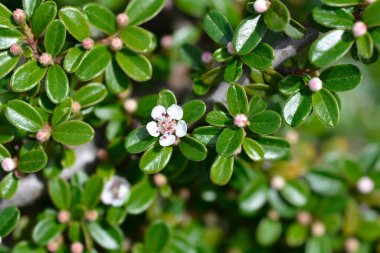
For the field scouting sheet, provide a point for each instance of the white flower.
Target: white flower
(168, 124)
(116, 191)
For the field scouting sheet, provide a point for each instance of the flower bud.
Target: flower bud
(130, 105)
(160, 180)
(63, 216)
(273, 215)
(230, 48)
(241, 120)
(315, 84)
(92, 215)
(19, 16)
(318, 229)
(15, 50)
(207, 57)
(365, 185)
(53, 246)
(19, 174)
(359, 29)
(77, 247)
(167, 41)
(304, 218)
(88, 43)
(352, 244)
(277, 183)
(9, 164)
(46, 59)
(122, 20)
(75, 107)
(102, 154)
(292, 137)
(261, 6)
(43, 135)
(116, 44)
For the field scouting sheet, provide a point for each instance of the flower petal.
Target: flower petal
(175, 112)
(158, 111)
(152, 129)
(181, 128)
(167, 140)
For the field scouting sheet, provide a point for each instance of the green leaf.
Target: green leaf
(166, 98)
(218, 27)
(73, 59)
(318, 245)
(4, 153)
(59, 192)
(229, 141)
(23, 116)
(295, 30)
(296, 234)
(341, 77)
(256, 105)
(27, 76)
(233, 71)
(136, 39)
(268, 232)
(73, 133)
(62, 112)
(208, 135)
(192, 56)
(326, 107)
(371, 15)
(139, 12)
(43, 16)
(75, 22)
(298, 108)
(193, 111)
(8, 187)
(92, 192)
(134, 65)
(46, 230)
(340, 3)
(325, 183)
(6, 134)
(192, 148)
(296, 193)
(330, 47)
(57, 84)
(157, 236)
(213, 76)
(108, 236)
(249, 34)
(30, 5)
(6, 18)
(142, 196)
(222, 55)
(237, 100)
(90, 94)
(55, 37)
(221, 170)
(8, 37)
(333, 17)
(94, 63)
(375, 33)
(155, 159)
(9, 217)
(7, 63)
(365, 46)
(139, 140)
(253, 149)
(291, 84)
(260, 58)
(253, 197)
(32, 161)
(116, 80)
(266, 122)
(274, 148)
(219, 118)
(277, 17)
(100, 17)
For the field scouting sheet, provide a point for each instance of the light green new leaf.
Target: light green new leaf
(365, 46)
(268, 232)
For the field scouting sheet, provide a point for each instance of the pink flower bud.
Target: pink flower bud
(92, 215)
(53, 246)
(261, 6)
(292, 137)
(46, 59)
(75, 107)
(273, 215)
(241, 120)
(15, 50)
(230, 48)
(365, 185)
(304, 218)
(63, 216)
(352, 244)
(315, 84)
(166, 41)
(359, 29)
(122, 20)
(102, 154)
(184, 193)
(207, 57)
(160, 180)
(9, 164)
(88, 43)
(43, 135)
(318, 229)
(116, 44)
(130, 105)
(278, 183)
(77, 247)
(19, 16)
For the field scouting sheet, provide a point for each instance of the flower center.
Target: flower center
(166, 125)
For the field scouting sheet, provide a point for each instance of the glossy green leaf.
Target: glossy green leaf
(192, 56)
(375, 33)
(233, 71)
(139, 140)
(193, 111)
(295, 30)
(333, 17)
(192, 148)
(365, 46)
(94, 63)
(296, 234)
(7, 63)
(141, 11)
(268, 232)
(326, 107)
(134, 65)
(208, 135)
(27, 76)
(30, 5)
(8, 37)
(32, 161)
(55, 37)
(296, 193)
(157, 236)
(9, 217)
(73, 133)
(218, 27)
(219, 118)
(92, 192)
(298, 108)
(260, 58)
(73, 59)
(274, 148)
(116, 80)
(75, 22)
(155, 159)
(8, 187)
(291, 84)
(266, 122)
(325, 183)
(57, 84)
(46, 230)
(237, 100)
(100, 17)
(256, 105)
(222, 55)
(142, 196)
(253, 149)
(277, 17)
(166, 98)
(221, 170)
(6, 18)
(341, 77)
(340, 3)
(371, 15)
(318, 245)
(249, 34)
(43, 16)
(59, 192)
(6, 134)
(90, 94)
(229, 141)
(136, 38)
(62, 112)
(23, 116)
(253, 196)
(213, 76)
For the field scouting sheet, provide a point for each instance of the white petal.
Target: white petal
(152, 129)
(181, 128)
(167, 140)
(158, 111)
(106, 197)
(175, 112)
